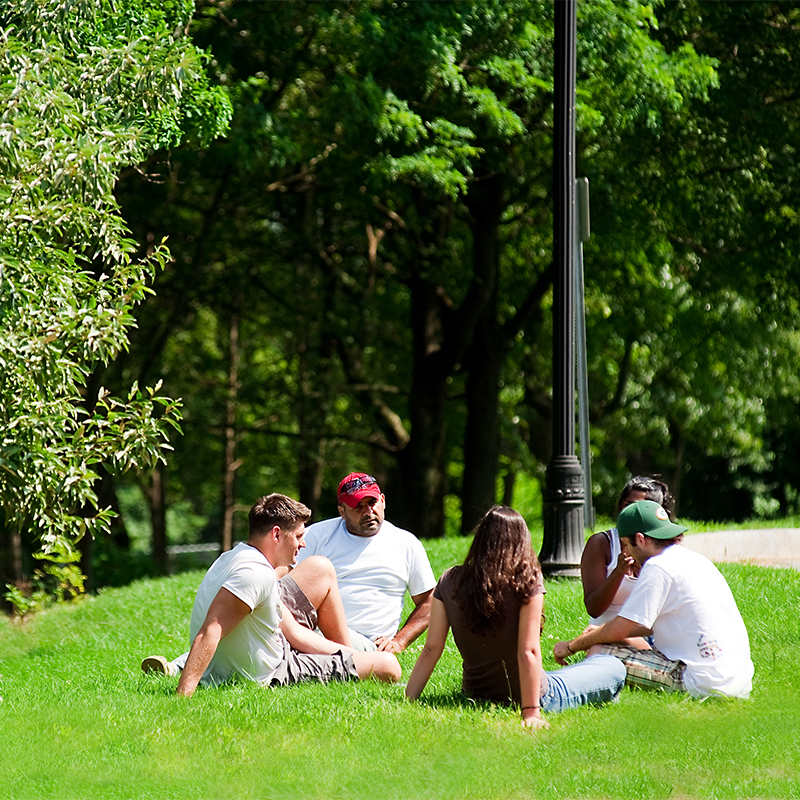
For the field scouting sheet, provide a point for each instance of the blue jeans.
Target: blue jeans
(597, 679)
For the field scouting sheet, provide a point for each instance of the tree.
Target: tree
(378, 222)
(88, 88)
(394, 163)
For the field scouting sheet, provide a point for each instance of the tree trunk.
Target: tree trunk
(421, 464)
(155, 493)
(106, 498)
(509, 482)
(484, 362)
(482, 434)
(11, 572)
(309, 472)
(678, 443)
(230, 462)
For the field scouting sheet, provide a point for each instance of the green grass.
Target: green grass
(80, 720)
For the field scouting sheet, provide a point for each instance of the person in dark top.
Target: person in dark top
(493, 603)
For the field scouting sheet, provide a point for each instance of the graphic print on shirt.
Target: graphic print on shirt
(708, 647)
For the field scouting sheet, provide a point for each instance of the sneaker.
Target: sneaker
(158, 665)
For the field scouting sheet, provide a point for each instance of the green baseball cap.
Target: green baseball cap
(649, 518)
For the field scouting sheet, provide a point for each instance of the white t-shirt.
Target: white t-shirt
(254, 648)
(625, 587)
(374, 572)
(683, 597)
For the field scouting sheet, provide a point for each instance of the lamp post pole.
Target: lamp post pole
(563, 493)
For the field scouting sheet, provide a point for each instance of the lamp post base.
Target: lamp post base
(562, 546)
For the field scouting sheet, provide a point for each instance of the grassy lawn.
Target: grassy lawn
(80, 720)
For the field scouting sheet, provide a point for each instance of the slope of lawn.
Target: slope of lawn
(81, 721)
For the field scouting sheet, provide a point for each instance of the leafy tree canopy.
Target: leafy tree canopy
(87, 88)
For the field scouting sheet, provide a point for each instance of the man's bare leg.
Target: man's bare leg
(381, 666)
(316, 577)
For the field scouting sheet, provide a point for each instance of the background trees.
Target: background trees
(362, 265)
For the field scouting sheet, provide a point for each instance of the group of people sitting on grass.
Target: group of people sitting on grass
(325, 602)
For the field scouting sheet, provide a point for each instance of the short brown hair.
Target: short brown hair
(276, 509)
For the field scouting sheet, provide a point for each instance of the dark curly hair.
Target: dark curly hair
(653, 489)
(500, 558)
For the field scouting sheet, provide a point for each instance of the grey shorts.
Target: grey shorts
(293, 597)
(297, 667)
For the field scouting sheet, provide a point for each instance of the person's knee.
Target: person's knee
(315, 569)
(387, 667)
(380, 666)
(613, 667)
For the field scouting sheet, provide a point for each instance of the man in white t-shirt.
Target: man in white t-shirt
(376, 563)
(700, 643)
(240, 626)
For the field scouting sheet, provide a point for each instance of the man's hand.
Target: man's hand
(388, 644)
(561, 652)
(626, 565)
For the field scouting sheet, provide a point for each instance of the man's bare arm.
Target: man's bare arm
(416, 624)
(614, 630)
(305, 641)
(224, 614)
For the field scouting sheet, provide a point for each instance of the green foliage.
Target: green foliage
(344, 218)
(59, 581)
(88, 88)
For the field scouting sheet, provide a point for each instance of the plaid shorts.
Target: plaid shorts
(648, 669)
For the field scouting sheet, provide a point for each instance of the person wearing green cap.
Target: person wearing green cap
(699, 641)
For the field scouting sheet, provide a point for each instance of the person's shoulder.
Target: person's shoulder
(246, 563)
(451, 572)
(243, 553)
(393, 530)
(598, 546)
(445, 584)
(602, 537)
(324, 528)
(670, 562)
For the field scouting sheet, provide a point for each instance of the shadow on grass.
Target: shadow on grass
(457, 699)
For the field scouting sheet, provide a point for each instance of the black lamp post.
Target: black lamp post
(563, 492)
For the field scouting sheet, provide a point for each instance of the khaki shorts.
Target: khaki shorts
(293, 597)
(302, 609)
(297, 667)
(648, 669)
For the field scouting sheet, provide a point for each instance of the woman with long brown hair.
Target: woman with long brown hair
(493, 603)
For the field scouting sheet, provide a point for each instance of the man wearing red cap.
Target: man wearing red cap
(241, 626)
(376, 563)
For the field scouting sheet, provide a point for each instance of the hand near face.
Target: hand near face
(626, 565)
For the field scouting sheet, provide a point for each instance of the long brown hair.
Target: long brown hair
(500, 558)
